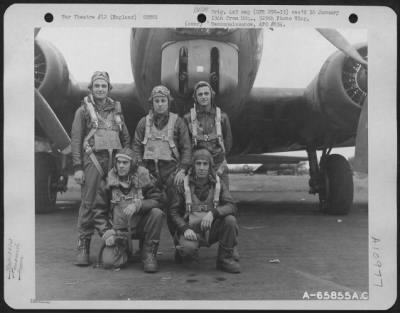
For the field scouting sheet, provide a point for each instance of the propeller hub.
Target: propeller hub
(362, 79)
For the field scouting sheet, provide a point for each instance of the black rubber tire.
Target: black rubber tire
(338, 187)
(45, 174)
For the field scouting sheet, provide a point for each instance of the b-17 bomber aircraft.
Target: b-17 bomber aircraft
(330, 112)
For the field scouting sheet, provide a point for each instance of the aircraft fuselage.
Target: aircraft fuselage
(178, 58)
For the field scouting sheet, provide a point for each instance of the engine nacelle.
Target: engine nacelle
(339, 90)
(54, 83)
(51, 71)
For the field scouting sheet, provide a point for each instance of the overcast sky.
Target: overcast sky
(291, 57)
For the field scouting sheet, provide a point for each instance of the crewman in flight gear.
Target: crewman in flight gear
(98, 130)
(210, 128)
(132, 200)
(204, 213)
(161, 141)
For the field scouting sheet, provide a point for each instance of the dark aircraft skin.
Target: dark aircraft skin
(322, 116)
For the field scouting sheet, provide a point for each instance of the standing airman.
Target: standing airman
(97, 131)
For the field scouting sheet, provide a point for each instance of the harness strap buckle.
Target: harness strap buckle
(203, 207)
(215, 204)
(88, 149)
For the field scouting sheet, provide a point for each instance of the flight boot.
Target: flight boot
(149, 256)
(82, 259)
(225, 260)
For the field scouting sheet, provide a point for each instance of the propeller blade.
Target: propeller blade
(361, 155)
(335, 38)
(51, 124)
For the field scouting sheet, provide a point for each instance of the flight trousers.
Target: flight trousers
(87, 215)
(224, 230)
(148, 226)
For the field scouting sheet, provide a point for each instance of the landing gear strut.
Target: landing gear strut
(48, 182)
(332, 179)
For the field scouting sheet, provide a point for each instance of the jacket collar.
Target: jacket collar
(113, 179)
(138, 179)
(192, 179)
(109, 105)
(209, 110)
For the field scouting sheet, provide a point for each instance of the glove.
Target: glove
(109, 237)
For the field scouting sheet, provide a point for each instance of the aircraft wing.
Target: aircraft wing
(271, 118)
(325, 114)
(265, 158)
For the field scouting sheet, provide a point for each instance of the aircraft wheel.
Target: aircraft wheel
(337, 188)
(45, 178)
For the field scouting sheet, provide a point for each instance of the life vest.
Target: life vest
(216, 134)
(159, 144)
(104, 130)
(119, 202)
(195, 208)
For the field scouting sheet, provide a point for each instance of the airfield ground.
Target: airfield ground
(287, 246)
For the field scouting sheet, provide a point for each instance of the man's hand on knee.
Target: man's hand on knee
(132, 208)
(207, 221)
(190, 235)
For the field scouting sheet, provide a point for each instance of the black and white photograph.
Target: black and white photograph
(228, 158)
